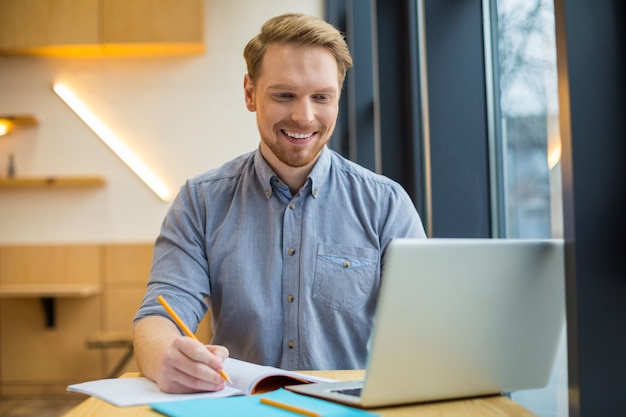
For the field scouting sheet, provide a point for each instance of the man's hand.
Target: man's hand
(178, 364)
(189, 366)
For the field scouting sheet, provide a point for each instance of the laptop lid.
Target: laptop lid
(461, 318)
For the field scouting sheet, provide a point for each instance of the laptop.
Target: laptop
(460, 318)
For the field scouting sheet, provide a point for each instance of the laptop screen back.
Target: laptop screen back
(465, 317)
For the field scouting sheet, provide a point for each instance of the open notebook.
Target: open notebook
(248, 378)
(460, 318)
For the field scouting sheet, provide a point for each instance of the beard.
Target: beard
(293, 155)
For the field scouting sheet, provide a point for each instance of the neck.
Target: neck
(294, 177)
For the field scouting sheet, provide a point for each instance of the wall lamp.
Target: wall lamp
(113, 142)
(8, 122)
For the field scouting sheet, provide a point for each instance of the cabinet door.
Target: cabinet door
(31, 24)
(49, 264)
(150, 21)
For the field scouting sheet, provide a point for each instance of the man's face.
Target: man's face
(296, 100)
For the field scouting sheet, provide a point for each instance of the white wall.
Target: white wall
(181, 115)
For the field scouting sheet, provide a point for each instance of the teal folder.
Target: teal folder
(251, 406)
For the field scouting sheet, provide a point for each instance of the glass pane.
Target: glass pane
(528, 107)
(528, 139)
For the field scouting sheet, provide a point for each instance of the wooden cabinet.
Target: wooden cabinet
(36, 359)
(30, 25)
(101, 27)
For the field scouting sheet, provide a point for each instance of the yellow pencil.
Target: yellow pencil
(185, 329)
(291, 408)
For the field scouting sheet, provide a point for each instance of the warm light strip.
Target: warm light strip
(113, 142)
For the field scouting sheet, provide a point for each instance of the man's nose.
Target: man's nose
(302, 112)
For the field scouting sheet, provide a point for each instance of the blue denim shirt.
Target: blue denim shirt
(291, 280)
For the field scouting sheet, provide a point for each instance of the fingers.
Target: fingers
(190, 366)
(219, 351)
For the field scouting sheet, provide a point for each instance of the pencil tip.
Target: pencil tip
(226, 377)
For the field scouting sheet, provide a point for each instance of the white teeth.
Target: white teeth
(298, 135)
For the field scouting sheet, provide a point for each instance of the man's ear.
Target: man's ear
(248, 89)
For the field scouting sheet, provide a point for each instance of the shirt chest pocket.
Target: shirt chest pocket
(345, 276)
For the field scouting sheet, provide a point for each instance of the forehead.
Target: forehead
(296, 65)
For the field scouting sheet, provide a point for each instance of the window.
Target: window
(528, 146)
(524, 73)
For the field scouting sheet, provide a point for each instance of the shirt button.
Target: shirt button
(290, 298)
(346, 264)
(291, 344)
(315, 192)
(292, 206)
(291, 251)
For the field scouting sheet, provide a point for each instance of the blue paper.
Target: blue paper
(251, 406)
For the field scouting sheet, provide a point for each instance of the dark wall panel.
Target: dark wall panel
(591, 64)
(458, 119)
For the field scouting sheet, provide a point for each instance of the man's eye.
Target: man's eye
(283, 96)
(323, 98)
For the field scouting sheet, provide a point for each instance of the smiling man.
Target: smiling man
(284, 245)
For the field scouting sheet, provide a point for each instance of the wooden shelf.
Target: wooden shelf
(47, 293)
(51, 182)
(48, 290)
(20, 119)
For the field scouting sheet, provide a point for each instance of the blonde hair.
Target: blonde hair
(297, 29)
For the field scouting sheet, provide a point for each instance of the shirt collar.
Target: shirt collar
(320, 172)
(263, 172)
(317, 177)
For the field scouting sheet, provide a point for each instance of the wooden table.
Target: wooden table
(493, 406)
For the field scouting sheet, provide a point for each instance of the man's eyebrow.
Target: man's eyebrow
(287, 87)
(281, 87)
